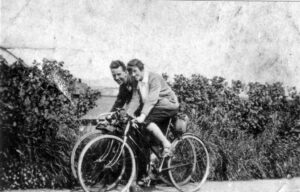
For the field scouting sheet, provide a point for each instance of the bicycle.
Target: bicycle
(113, 154)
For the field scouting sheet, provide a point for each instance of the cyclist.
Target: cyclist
(126, 82)
(159, 102)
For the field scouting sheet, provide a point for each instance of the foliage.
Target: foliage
(38, 125)
(248, 128)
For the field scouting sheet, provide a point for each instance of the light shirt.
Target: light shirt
(143, 86)
(134, 103)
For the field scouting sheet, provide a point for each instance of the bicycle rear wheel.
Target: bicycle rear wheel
(100, 169)
(189, 164)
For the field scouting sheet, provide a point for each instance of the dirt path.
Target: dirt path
(278, 185)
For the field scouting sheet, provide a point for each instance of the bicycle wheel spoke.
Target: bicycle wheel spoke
(179, 165)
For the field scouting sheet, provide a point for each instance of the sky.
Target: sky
(249, 41)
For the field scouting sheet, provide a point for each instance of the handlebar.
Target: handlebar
(118, 121)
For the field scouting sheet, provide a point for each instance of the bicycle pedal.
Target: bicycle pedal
(145, 181)
(148, 183)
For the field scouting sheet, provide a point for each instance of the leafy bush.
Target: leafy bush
(248, 128)
(38, 125)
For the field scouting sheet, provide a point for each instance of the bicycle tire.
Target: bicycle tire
(164, 176)
(183, 162)
(79, 142)
(198, 170)
(91, 160)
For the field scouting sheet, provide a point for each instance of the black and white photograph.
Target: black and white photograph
(149, 96)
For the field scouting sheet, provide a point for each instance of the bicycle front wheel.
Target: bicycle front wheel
(78, 147)
(189, 166)
(82, 141)
(106, 162)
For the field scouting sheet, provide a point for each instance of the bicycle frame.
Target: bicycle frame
(127, 137)
(123, 144)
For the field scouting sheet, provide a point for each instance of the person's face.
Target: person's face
(119, 75)
(136, 73)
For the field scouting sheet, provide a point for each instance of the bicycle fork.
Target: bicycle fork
(117, 157)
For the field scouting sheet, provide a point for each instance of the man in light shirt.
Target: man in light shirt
(159, 102)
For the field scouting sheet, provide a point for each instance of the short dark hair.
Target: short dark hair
(136, 63)
(116, 64)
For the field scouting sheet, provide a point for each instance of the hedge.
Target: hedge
(38, 124)
(249, 128)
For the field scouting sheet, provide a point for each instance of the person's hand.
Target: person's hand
(141, 118)
(108, 117)
(134, 123)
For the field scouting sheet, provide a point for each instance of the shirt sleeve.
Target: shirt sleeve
(120, 101)
(153, 95)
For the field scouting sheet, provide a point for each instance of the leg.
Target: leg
(155, 130)
(158, 116)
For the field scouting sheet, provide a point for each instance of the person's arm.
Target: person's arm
(120, 101)
(153, 95)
